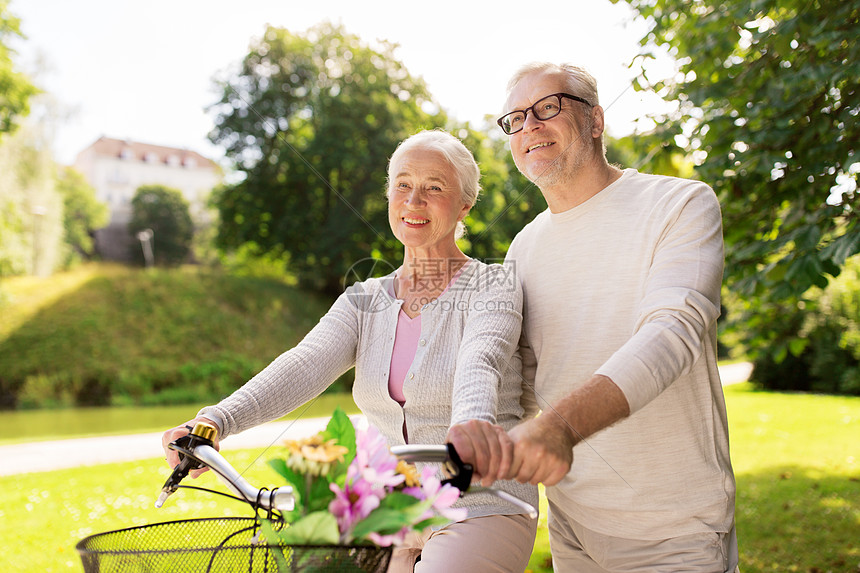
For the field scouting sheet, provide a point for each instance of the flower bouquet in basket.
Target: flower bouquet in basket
(352, 491)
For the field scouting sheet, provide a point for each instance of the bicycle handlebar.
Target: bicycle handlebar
(196, 451)
(460, 474)
(280, 499)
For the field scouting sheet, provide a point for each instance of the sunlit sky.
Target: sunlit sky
(144, 70)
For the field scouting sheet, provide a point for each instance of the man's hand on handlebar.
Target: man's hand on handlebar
(173, 434)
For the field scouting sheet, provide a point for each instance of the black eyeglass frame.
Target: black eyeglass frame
(531, 109)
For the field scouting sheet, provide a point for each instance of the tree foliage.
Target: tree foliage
(311, 121)
(768, 98)
(15, 87)
(31, 209)
(507, 202)
(82, 214)
(165, 212)
(655, 152)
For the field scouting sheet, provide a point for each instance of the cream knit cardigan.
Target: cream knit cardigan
(466, 366)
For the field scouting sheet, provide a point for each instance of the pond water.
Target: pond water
(35, 425)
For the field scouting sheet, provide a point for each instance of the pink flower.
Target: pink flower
(387, 540)
(369, 478)
(374, 461)
(353, 503)
(443, 496)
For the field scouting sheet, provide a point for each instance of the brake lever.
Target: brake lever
(458, 474)
(201, 434)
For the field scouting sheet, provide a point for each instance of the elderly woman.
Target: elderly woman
(433, 344)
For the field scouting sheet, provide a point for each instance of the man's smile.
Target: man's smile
(539, 145)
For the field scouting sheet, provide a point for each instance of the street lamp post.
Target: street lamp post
(145, 238)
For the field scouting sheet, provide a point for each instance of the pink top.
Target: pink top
(405, 344)
(406, 339)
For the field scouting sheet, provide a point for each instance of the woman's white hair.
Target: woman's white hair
(460, 158)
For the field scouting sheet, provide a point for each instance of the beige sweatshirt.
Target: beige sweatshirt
(627, 285)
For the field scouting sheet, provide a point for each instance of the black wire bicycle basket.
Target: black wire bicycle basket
(218, 545)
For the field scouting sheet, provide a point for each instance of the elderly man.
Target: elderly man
(621, 281)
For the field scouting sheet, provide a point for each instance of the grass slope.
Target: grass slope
(119, 335)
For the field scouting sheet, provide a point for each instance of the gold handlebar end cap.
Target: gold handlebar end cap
(205, 431)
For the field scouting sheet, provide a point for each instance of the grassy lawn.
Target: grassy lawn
(23, 426)
(797, 462)
(795, 456)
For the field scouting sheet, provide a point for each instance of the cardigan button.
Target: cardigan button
(411, 375)
(422, 342)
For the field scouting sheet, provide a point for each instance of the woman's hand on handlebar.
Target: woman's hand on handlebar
(487, 447)
(173, 434)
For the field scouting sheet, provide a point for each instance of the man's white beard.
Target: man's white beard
(566, 167)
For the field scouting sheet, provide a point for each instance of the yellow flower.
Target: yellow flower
(313, 455)
(410, 472)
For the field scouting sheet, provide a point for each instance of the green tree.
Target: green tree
(165, 212)
(507, 202)
(31, 209)
(653, 152)
(311, 121)
(82, 214)
(15, 87)
(768, 100)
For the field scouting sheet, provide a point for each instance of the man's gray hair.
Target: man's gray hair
(578, 81)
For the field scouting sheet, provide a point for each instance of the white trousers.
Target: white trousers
(491, 544)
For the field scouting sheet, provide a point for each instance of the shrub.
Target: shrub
(164, 213)
(826, 353)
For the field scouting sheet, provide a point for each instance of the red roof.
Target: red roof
(135, 150)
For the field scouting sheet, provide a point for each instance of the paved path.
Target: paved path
(58, 454)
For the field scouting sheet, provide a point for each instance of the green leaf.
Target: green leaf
(842, 248)
(340, 428)
(797, 345)
(317, 528)
(380, 520)
(400, 501)
(393, 513)
(435, 520)
(272, 537)
(293, 478)
(320, 494)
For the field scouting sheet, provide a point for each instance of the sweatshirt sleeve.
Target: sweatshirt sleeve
(528, 400)
(681, 298)
(297, 375)
(490, 336)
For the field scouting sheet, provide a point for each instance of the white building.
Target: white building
(116, 168)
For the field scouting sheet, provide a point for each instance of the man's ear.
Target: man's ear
(597, 121)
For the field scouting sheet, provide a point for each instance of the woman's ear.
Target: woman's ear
(464, 211)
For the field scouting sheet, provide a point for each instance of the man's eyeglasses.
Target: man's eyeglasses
(543, 109)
